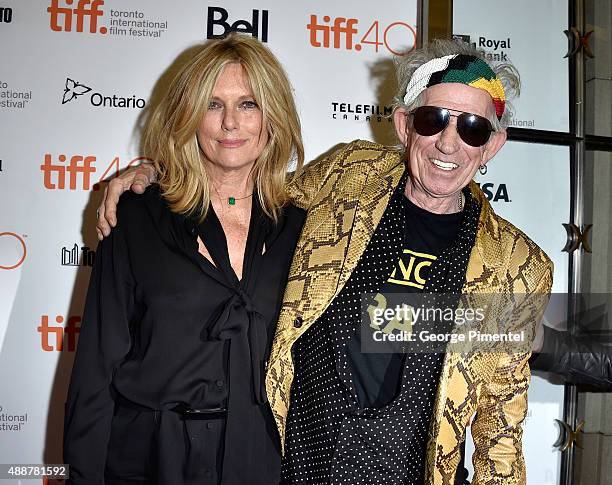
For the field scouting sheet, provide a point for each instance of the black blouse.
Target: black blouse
(173, 337)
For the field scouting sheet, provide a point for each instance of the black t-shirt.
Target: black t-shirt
(377, 376)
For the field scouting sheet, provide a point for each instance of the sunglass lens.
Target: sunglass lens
(473, 129)
(429, 120)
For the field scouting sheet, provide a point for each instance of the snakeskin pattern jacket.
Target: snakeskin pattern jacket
(346, 195)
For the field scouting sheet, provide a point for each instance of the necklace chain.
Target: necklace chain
(230, 199)
(222, 214)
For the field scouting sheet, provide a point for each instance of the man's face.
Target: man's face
(442, 164)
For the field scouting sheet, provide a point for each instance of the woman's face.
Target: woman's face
(231, 134)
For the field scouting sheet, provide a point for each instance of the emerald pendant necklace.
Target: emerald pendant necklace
(232, 200)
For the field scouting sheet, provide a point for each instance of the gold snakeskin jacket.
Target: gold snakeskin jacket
(346, 195)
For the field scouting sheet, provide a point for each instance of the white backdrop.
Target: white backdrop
(70, 103)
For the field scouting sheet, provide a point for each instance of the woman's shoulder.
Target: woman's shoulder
(134, 208)
(293, 212)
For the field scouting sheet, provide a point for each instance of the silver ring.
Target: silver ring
(97, 213)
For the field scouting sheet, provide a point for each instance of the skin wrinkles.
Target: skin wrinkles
(230, 134)
(429, 186)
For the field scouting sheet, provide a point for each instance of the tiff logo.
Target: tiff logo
(79, 167)
(68, 333)
(217, 16)
(86, 12)
(74, 257)
(342, 27)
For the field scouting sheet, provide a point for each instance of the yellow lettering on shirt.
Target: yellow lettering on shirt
(410, 266)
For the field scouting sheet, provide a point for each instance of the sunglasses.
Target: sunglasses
(431, 120)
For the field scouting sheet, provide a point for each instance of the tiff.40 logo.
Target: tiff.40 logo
(84, 14)
(340, 33)
(65, 337)
(80, 169)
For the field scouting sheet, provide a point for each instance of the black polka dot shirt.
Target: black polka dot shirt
(330, 439)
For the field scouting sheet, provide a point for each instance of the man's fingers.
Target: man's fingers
(144, 176)
(102, 227)
(115, 188)
(136, 178)
(141, 181)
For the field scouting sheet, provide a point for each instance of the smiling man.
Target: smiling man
(351, 417)
(383, 220)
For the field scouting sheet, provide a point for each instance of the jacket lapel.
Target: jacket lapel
(341, 220)
(372, 204)
(337, 230)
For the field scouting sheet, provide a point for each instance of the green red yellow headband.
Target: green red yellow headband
(458, 68)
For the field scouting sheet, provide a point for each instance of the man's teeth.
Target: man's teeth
(444, 165)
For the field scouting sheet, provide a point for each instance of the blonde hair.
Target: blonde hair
(170, 135)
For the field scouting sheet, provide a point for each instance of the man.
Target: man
(346, 416)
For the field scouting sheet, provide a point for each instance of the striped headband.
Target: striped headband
(458, 68)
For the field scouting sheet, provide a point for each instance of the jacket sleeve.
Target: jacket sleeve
(104, 340)
(497, 428)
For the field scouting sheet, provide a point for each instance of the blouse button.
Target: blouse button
(297, 323)
(219, 383)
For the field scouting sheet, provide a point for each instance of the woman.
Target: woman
(167, 385)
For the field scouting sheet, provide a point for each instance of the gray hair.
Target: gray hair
(406, 65)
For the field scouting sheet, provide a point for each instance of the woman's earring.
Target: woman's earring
(482, 169)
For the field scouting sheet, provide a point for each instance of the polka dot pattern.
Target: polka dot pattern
(329, 438)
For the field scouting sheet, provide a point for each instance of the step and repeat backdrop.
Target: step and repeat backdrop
(75, 79)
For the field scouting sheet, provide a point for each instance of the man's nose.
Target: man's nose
(449, 140)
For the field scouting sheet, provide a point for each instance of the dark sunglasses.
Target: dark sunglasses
(473, 129)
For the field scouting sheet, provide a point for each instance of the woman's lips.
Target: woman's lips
(231, 143)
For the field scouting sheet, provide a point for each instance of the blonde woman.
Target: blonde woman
(168, 381)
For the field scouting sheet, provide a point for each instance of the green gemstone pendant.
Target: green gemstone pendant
(231, 201)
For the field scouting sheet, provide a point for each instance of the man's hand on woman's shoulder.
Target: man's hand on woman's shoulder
(138, 179)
